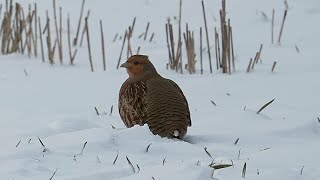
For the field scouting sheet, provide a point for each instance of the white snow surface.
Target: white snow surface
(56, 102)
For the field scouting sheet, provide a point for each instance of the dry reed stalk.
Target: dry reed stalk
(89, 46)
(0, 10)
(84, 29)
(6, 31)
(216, 41)
(7, 6)
(57, 31)
(249, 65)
(17, 30)
(282, 25)
(133, 24)
(60, 33)
(75, 41)
(254, 60)
(189, 42)
(129, 50)
(201, 66)
(30, 33)
(223, 37)
(20, 26)
(69, 40)
(0, 18)
(24, 20)
(286, 4)
(11, 7)
(45, 29)
(218, 48)
(146, 32)
(54, 47)
(41, 42)
(168, 44)
(179, 51)
(115, 37)
(140, 36)
(138, 50)
(272, 26)
(124, 41)
(173, 63)
(179, 57)
(186, 39)
(193, 55)
(49, 45)
(128, 43)
(207, 35)
(102, 46)
(232, 49)
(259, 54)
(228, 49)
(273, 66)
(297, 49)
(151, 38)
(72, 57)
(34, 40)
(224, 47)
(36, 30)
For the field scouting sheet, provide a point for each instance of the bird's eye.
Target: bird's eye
(136, 63)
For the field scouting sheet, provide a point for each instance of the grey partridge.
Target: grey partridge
(148, 98)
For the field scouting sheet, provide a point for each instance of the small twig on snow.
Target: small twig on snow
(301, 171)
(265, 149)
(205, 149)
(18, 143)
(98, 159)
(264, 106)
(115, 160)
(213, 103)
(244, 170)
(54, 173)
(236, 142)
(84, 146)
(129, 162)
(147, 149)
(164, 161)
(95, 108)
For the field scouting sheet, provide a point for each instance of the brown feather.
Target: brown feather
(132, 103)
(146, 97)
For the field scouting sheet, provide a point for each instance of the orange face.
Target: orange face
(135, 65)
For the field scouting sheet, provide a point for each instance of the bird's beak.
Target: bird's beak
(125, 65)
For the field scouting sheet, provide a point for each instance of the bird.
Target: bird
(148, 98)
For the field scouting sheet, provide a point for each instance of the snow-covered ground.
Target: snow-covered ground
(57, 103)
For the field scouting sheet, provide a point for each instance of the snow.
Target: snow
(57, 102)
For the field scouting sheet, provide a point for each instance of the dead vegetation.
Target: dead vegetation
(21, 32)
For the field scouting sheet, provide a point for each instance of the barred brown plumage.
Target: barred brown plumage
(147, 97)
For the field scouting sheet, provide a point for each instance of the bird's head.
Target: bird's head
(138, 66)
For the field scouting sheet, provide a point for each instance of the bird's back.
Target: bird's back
(167, 108)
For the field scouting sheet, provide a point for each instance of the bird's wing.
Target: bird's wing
(184, 100)
(132, 106)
